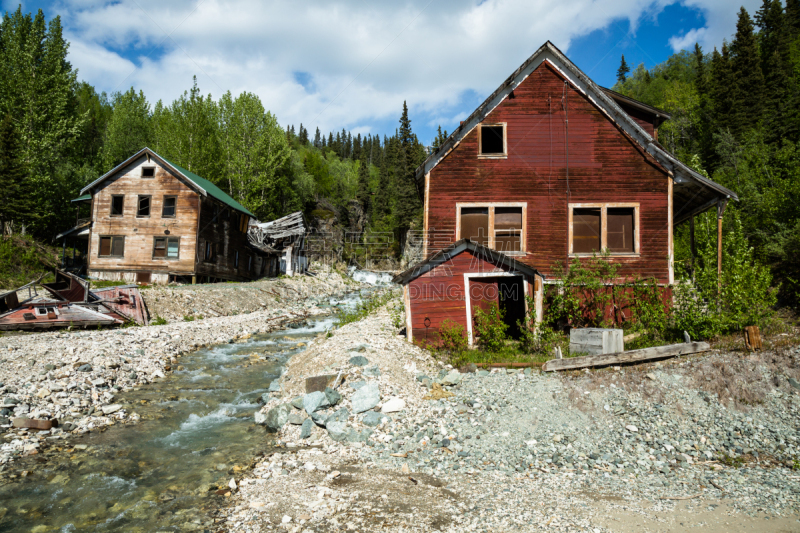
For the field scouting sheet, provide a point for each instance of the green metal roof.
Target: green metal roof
(210, 188)
(84, 198)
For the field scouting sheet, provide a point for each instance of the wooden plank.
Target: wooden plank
(632, 356)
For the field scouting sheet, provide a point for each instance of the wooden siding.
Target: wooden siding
(223, 231)
(140, 232)
(440, 294)
(604, 166)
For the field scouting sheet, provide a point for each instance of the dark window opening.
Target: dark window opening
(168, 209)
(117, 203)
(112, 247)
(475, 224)
(492, 140)
(236, 259)
(148, 172)
(249, 263)
(144, 207)
(585, 230)
(620, 229)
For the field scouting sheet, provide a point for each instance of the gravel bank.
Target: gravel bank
(75, 377)
(629, 449)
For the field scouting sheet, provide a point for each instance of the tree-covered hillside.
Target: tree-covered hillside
(736, 116)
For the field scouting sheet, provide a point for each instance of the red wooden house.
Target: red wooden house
(550, 167)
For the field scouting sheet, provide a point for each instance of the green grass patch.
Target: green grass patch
(22, 260)
(364, 308)
(104, 283)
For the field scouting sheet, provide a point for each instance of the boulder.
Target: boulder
(339, 416)
(366, 397)
(297, 403)
(109, 409)
(333, 397)
(305, 429)
(452, 378)
(319, 419)
(337, 431)
(358, 436)
(275, 386)
(393, 405)
(260, 418)
(314, 401)
(295, 419)
(371, 371)
(277, 417)
(373, 419)
(359, 360)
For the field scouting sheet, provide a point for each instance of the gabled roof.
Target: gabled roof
(443, 256)
(580, 81)
(201, 185)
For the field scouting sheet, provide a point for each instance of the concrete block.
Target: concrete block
(595, 341)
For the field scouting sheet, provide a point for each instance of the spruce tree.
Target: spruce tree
(408, 201)
(623, 70)
(705, 128)
(793, 18)
(317, 139)
(16, 204)
(747, 77)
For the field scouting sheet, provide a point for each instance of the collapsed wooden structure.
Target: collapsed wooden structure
(70, 302)
(284, 238)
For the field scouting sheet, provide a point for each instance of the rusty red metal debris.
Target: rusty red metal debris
(70, 302)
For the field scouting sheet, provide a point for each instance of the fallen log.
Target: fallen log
(632, 356)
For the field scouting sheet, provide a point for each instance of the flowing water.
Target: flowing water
(161, 474)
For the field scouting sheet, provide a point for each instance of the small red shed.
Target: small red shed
(455, 281)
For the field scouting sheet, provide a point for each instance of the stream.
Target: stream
(163, 473)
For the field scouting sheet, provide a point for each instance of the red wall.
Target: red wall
(604, 166)
(439, 294)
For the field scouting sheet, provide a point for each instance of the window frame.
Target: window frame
(141, 172)
(111, 206)
(166, 249)
(164, 204)
(491, 205)
(149, 206)
(111, 246)
(604, 207)
(504, 155)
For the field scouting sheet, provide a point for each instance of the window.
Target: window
(244, 221)
(117, 203)
(143, 210)
(598, 227)
(166, 247)
(210, 254)
(111, 246)
(148, 172)
(492, 140)
(235, 220)
(249, 263)
(236, 259)
(499, 226)
(168, 208)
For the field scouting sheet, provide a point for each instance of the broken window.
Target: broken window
(585, 230)
(243, 223)
(112, 246)
(166, 247)
(168, 208)
(598, 227)
(117, 203)
(148, 172)
(475, 224)
(508, 229)
(620, 229)
(144, 207)
(492, 140)
(211, 252)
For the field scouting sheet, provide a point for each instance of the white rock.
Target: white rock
(232, 484)
(286, 519)
(109, 409)
(393, 405)
(631, 428)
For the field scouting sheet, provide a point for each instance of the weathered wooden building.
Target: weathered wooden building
(551, 167)
(153, 221)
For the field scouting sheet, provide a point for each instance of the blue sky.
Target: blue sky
(351, 63)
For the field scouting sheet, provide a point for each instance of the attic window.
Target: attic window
(148, 172)
(492, 140)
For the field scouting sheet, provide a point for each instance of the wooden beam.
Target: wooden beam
(632, 356)
(692, 246)
(720, 210)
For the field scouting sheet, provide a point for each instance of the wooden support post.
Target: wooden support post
(720, 210)
(692, 244)
(194, 280)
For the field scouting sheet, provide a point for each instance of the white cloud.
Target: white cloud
(363, 58)
(721, 16)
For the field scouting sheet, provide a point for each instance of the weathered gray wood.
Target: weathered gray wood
(595, 341)
(632, 356)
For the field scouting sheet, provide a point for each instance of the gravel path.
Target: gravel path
(645, 448)
(74, 377)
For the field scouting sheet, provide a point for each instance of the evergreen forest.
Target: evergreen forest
(735, 117)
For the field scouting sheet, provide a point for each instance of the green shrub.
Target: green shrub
(158, 321)
(490, 329)
(538, 339)
(452, 337)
